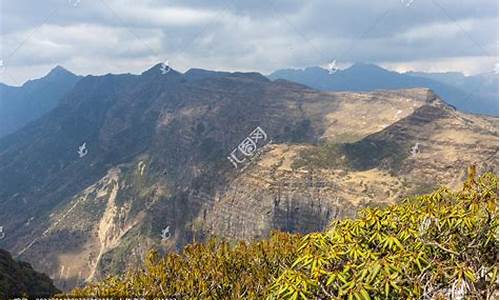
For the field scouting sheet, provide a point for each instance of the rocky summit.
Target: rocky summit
(127, 162)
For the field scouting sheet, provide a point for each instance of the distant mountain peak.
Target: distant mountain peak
(452, 87)
(199, 74)
(59, 70)
(252, 75)
(360, 66)
(162, 68)
(58, 73)
(35, 97)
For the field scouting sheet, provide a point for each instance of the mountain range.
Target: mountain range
(474, 94)
(21, 105)
(124, 163)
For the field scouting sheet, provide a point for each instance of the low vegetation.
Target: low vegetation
(361, 155)
(442, 245)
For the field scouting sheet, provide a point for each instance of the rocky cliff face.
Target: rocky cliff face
(304, 187)
(156, 173)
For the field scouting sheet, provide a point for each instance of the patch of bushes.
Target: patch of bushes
(327, 155)
(362, 155)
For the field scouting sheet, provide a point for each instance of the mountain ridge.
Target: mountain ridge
(21, 105)
(157, 157)
(370, 77)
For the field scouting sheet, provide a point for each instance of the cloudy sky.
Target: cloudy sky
(120, 36)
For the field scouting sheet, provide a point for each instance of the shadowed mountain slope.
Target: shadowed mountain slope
(18, 279)
(155, 171)
(21, 105)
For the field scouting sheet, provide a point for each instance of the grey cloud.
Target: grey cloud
(131, 35)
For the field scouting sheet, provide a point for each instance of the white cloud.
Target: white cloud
(141, 14)
(445, 29)
(469, 65)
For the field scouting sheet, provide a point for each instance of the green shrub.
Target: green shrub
(442, 245)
